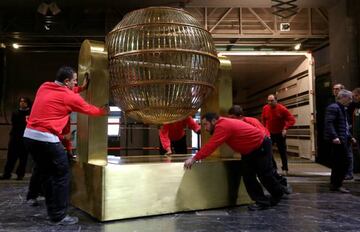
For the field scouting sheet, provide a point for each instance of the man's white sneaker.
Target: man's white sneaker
(67, 220)
(33, 202)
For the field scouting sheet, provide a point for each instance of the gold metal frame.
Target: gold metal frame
(151, 185)
(119, 191)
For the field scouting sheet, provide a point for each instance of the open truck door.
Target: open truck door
(289, 75)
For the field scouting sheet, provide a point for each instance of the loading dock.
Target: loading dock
(289, 75)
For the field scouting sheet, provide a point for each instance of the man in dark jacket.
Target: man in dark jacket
(337, 133)
(16, 147)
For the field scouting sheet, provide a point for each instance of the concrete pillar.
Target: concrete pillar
(344, 43)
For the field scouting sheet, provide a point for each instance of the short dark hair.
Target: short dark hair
(27, 100)
(356, 91)
(64, 72)
(340, 85)
(236, 110)
(210, 116)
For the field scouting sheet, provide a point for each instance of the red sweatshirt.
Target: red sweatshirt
(67, 129)
(175, 131)
(277, 119)
(53, 105)
(256, 123)
(239, 135)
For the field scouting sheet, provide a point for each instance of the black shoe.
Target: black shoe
(5, 178)
(340, 189)
(283, 181)
(286, 189)
(67, 220)
(256, 207)
(275, 200)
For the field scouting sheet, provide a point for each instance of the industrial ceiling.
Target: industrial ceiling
(234, 24)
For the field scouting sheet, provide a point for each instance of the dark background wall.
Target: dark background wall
(344, 42)
(24, 72)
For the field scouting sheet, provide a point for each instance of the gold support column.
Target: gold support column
(219, 102)
(92, 131)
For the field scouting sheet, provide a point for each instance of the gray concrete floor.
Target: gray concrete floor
(311, 207)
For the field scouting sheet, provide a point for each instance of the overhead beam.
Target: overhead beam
(275, 36)
(310, 21)
(240, 21)
(292, 17)
(261, 20)
(217, 23)
(198, 11)
(205, 18)
(257, 3)
(212, 12)
(322, 15)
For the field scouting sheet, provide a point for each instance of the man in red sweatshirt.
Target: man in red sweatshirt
(35, 189)
(173, 135)
(54, 101)
(65, 138)
(236, 111)
(255, 149)
(277, 119)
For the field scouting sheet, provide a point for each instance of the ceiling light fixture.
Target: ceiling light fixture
(47, 27)
(297, 46)
(15, 45)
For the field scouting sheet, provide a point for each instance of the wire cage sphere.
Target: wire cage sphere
(162, 64)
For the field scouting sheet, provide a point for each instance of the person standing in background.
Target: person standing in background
(336, 89)
(277, 119)
(354, 121)
(237, 112)
(16, 147)
(350, 170)
(173, 136)
(337, 133)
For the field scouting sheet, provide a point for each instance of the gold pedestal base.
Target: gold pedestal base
(154, 186)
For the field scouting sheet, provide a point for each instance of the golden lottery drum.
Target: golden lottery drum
(162, 64)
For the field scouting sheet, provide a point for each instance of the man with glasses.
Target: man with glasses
(337, 133)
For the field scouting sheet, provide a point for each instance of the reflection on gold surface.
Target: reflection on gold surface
(155, 186)
(92, 131)
(162, 63)
(220, 101)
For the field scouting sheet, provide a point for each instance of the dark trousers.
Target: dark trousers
(350, 156)
(53, 167)
(178, 146)
(35, 186)
(280, 141)
(16, 151)
(259, 164)
(339, 163)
